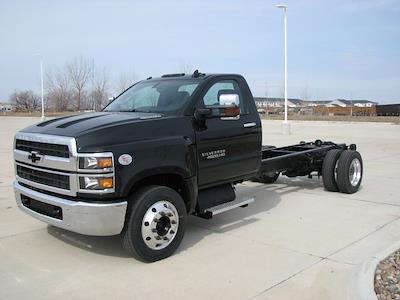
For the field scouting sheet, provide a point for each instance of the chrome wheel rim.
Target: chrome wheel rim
(335, 171)
(160, 225)
(355, 172)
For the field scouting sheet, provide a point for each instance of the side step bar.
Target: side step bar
(219, 209)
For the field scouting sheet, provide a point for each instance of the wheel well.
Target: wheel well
(173, 181)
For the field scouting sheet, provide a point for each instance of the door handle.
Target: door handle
(248, 125)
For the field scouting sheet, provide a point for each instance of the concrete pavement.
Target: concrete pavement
(296, 241)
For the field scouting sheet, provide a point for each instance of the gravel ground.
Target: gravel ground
(387, 277)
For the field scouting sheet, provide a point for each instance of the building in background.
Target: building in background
(276, 105)
(319, 107)
(6, 107)
(349, 103)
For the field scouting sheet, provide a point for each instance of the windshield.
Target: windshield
(164, 96)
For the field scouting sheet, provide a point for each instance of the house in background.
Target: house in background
(6, 107)
(324, 107)
(349, 103)
(262, 102)
(315, 103)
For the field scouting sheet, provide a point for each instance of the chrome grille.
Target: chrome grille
(50, 163)
(43, 148)
(54, 152)
(43, 177)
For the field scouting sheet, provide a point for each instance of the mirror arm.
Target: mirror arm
(220, 106)
(202, 113)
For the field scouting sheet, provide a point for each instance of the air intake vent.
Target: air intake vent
(43, 148)
(42, 177)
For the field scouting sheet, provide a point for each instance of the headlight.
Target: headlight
(96, 162)
(96, 183)
(96, 173)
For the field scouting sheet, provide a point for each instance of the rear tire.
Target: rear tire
(349, 171)
(154, 224)
(329, 169)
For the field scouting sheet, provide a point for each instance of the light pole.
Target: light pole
(43, 118)
(351, 104)
(284, 7)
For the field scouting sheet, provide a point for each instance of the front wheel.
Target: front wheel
(154, 224)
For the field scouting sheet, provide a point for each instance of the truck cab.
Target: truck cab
(184, 133)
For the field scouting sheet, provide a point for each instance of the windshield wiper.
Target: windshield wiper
(133, 110)
(139, 110)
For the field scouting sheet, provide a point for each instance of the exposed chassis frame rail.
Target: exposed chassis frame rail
(297, 160)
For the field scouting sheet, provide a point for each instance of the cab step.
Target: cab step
(219, 209)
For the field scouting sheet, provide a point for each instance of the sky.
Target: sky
(336, 49)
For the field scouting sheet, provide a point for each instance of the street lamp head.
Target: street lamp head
(284, 6)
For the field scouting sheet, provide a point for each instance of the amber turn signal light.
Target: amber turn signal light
(105, 162)
(105, 183)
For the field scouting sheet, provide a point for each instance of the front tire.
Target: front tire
(154, 224)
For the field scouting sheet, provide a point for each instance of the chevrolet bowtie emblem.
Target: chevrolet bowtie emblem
(34, 157)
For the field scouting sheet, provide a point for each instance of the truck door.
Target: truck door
(228, 148)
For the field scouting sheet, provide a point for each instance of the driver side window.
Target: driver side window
(211, 96)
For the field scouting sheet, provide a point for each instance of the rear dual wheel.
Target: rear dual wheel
(349, 171)
(329, 169)
(342, 171)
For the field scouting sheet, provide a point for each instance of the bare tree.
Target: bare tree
(125, 81)
(266, 90)
(306, 93)
(25, 100)
(99, 93)
(59, 90)
(80, 71)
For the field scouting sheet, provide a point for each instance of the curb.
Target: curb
(365, 274)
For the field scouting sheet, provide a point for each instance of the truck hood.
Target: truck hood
(77, 125)
(112, 131)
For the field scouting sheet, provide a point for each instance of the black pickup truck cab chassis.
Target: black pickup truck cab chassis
(165, 148)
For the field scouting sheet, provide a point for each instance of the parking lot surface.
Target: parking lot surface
(297, 241)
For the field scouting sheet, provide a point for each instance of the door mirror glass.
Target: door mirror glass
(229, 100)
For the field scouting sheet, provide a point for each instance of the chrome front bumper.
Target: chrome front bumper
(77, 216)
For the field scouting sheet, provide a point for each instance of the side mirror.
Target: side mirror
(228, 107)
(229, 104)
(111, 99)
